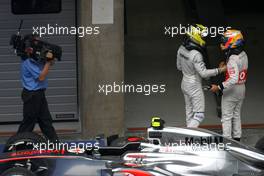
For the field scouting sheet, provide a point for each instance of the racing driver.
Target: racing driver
(190, 60)
(233, 88)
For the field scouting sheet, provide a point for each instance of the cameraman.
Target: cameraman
(35, 107)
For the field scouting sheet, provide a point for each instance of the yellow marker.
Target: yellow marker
(155, 122)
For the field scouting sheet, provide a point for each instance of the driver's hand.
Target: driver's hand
(214, 88)
(222, 67)
(222, 63)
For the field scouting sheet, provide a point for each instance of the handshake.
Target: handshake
(222, 69)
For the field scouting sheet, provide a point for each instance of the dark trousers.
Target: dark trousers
(35, 110)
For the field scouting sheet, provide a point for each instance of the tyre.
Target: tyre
(22, 141)
(260, 144)
(18, 171)
(25, 141)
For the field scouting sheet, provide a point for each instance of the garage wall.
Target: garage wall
(150, 58)
(62, 92)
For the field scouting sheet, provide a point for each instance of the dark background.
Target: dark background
(150, 56)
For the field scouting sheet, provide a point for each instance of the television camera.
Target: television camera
(30, 46)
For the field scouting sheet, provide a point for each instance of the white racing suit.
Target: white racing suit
(233, 94)
(193, 69)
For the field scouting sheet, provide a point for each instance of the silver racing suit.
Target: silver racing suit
(193, 69)
(233, 94)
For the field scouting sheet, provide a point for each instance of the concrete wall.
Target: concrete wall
(149, 59)
(101, 61)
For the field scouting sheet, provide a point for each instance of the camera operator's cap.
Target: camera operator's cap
(196, 34)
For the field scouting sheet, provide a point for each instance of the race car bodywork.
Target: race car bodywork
(169, 151)
(197, 152)
(60, 165)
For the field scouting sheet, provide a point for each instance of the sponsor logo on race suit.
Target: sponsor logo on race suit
(242, 77)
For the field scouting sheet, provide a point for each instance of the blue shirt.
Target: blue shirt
(30, 71)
